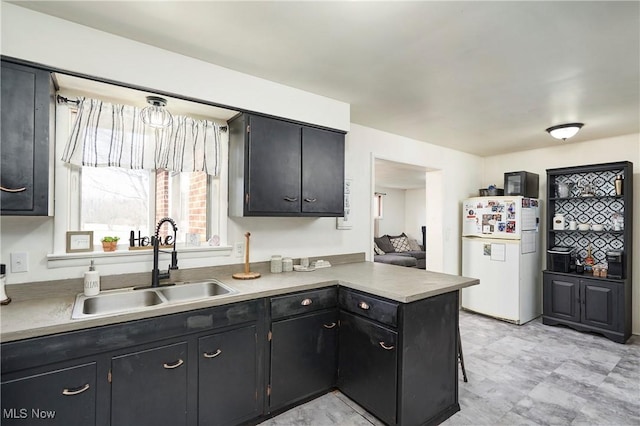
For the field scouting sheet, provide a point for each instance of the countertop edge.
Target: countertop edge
(62, 306)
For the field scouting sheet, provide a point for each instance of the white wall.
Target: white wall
(415, 213)
(455, 177)
(73, 47)
(393, 219)
(566, 154)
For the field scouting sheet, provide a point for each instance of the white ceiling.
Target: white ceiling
(390, 174)
(480, 77)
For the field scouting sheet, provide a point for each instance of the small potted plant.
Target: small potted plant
(110, 243)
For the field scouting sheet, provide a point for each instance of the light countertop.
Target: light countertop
(43, 316)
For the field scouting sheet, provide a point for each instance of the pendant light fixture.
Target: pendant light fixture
(156, 115)
(564, 131)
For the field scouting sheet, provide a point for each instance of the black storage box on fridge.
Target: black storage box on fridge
(521, 183)
(559, 258)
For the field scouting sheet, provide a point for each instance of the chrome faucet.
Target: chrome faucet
(156, 275)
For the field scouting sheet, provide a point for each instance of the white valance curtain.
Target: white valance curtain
(111, 135)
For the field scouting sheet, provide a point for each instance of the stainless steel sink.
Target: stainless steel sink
(119, 302)
(194, 291)
(128, 300)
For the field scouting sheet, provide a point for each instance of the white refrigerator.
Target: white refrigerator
(501, 247)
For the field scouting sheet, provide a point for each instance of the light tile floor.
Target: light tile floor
(520, 375)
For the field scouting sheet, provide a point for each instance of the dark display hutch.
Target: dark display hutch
(583, 301)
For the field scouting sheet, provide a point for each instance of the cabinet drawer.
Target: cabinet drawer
(303, 302)
(375, 308)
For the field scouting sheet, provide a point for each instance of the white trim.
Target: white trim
(64, 260)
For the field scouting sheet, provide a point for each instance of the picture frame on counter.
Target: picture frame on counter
(79, 241)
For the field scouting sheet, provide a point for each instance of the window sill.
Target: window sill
(123, 255)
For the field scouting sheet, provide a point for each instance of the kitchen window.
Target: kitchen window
(115, 201)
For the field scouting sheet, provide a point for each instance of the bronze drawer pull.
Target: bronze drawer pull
(306, 302)
(71, 392)
(171, 366)
(363, 305)
(386, 347)
(212, 354)
(2, 188)
(333, 324)
(291, 199)
(311, 200)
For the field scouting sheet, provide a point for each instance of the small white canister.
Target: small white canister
(558, 221)
(573, 225)
(276, 264)
(287, 264)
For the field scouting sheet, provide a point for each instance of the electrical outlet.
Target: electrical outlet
(19, 262)
(239, 249)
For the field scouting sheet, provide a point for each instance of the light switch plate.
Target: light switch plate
(19, 262)
(239, 249)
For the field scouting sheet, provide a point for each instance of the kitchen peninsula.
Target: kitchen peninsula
(385, 336)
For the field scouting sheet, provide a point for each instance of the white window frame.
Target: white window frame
(67, 210)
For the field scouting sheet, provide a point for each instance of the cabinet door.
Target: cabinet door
(303, 357)
(368, 365)
(150, 387)
(600, 303)
(322, 172)
(25, 140)
(273, 181)
(228, 377)
(561, 297)
(63, 397)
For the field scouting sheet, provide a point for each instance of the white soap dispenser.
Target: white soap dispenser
(91, 281)
(4, 299)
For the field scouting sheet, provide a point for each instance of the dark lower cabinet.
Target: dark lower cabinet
(303, 357)
(600, 303)
(562, 297)
(405, 374)
(150, 387)
(368, 365)
(228, 384)
(62, 397)
(587, 304)
(26, 126)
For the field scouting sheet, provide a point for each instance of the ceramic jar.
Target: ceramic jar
(276, 264)
(558, 221)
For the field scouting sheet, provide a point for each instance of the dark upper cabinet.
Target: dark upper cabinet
(228, 384)
(279, 168)
(150, 387)
(27, 118)
(62, 397)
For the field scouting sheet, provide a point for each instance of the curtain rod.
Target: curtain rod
(62, 100)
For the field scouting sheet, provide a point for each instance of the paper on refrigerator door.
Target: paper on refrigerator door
(528, 242)
(498, 252)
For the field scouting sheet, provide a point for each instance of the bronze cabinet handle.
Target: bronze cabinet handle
(3, 189)
(71, 392)
(311, 200)
(385, 346)
(363, 305)
(291, 199)
(333, 324)
(212, 354)
(171, 366)
(306, 302)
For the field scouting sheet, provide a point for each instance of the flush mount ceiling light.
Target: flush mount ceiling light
(564, 131)
(156, 115)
